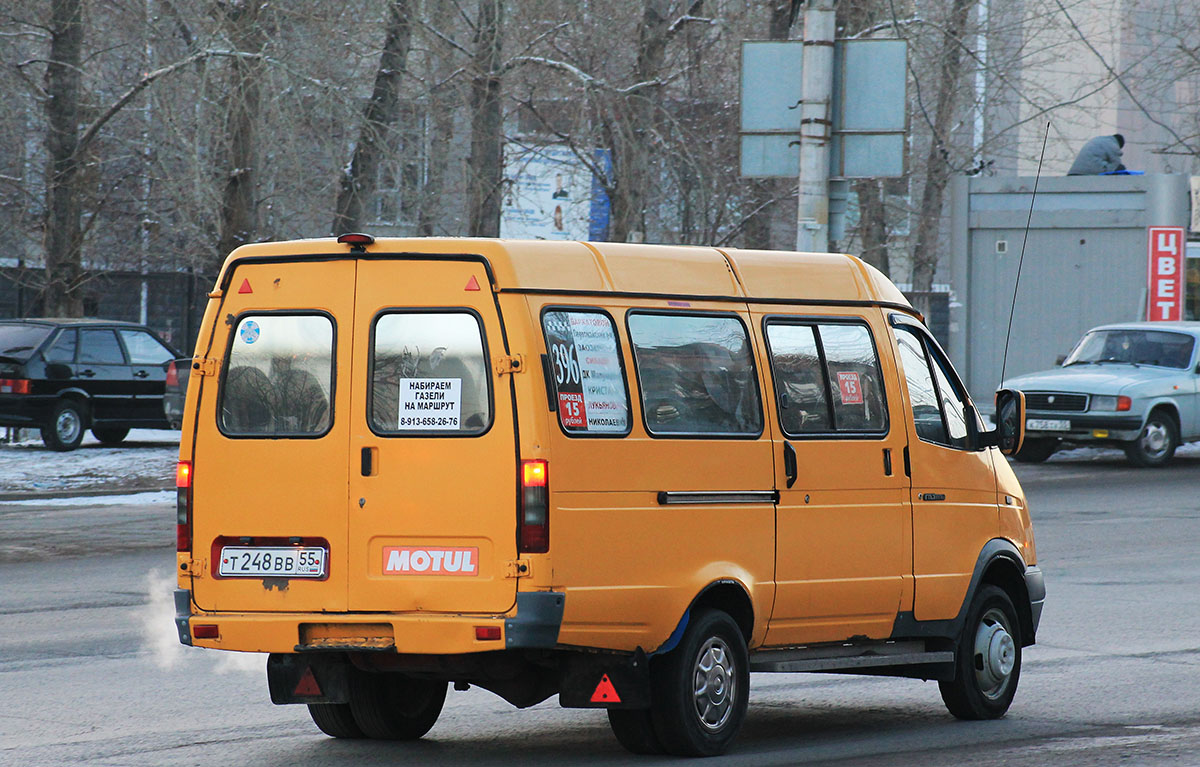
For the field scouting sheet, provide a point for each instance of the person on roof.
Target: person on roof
(1099, 155)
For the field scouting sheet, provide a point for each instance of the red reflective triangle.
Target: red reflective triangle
(472, 284)
(605, 692)
(245, 288)
(307, 687)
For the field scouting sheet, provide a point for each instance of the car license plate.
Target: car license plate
(1047, 424)
(272, 561)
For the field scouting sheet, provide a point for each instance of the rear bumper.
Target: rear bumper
(25, 410)
(533, 623)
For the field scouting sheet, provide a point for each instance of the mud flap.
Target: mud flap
(308, 678)
(605, 681)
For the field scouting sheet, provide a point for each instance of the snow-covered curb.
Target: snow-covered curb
(145, 460)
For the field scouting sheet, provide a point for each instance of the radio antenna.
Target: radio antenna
(1021, 261)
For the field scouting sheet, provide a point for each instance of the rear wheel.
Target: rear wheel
(634, 730)
(702, 687)
(394, 707)
(1036, 450)
(987, 659)
(110, 435)
(335, 720)
(64, 431)
(1157, 442)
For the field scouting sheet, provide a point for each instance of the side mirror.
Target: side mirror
(1010, 420)
(1060, 359)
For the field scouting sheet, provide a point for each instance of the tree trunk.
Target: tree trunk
(766, 193)
(485, 164)
(937, 169)
(872, 226)
(238, 223)
(63, 233)
(382, 112)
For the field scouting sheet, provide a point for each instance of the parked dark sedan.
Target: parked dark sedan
(64, 376)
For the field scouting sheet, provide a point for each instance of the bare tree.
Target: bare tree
(382, 111)
(485, 164)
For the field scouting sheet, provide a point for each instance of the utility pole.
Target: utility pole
(812, 220)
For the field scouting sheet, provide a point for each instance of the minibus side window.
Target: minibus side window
(826, 378)
(279, 378)
(696, 375)
(938, 408)
(429, 375)
(585, 362)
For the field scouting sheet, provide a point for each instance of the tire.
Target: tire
(109, 435)
(394, 707)
(987, 661)
(701, 688)
(634, 729)
(1036, 450)
(64, 431)
(335, 720)
(1156, 443)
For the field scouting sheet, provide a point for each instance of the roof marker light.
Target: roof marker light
(357, 241)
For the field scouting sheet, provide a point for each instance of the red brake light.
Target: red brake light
(172, 374)
(487, 633)
(14, 385)
(533, 521)
(183, 506)
(356, 239)
(1124, 403)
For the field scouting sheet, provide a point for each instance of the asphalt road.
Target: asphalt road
(91, 672)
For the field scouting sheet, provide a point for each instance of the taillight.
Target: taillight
(1124, 403)
(183, 506)
(172, 374)
(14, 385)
(533, 522)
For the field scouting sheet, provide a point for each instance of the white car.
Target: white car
(1134, 385)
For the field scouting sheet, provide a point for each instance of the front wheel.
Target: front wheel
(64, 431)
(702, 687)
(394, 707)
(110, 435)
(1036, 450)
(987, 661)
(1156, 443)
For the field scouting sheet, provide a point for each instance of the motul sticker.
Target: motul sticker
(851, 388)
(412, 560)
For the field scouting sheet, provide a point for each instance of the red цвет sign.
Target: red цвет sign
(1165, 274)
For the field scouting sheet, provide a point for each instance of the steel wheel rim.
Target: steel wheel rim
(714, 684)
(1155, 439)
(68, 426)
(995, 654)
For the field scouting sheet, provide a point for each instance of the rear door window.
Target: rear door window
(429, 374)
(696, 374)
(585, 363)
(100, 347)
(279, 378)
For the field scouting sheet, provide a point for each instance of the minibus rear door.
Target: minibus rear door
(433, 472)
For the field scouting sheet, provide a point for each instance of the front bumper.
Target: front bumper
(1086, 428)
(1035, 584)
(533, 623)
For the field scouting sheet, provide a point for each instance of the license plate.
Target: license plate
(272, 561)
(1047, 424)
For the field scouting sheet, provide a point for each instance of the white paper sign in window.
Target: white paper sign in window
(586, 366)
(430, 403)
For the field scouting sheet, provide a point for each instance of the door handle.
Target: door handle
(932, 496)
(368, 463)
(141, 374)
(789, 463)
(87, 373)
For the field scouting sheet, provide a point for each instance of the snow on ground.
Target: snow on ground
(132, 499)
(144, 461)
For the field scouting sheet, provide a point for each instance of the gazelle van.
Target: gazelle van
(625, 475)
